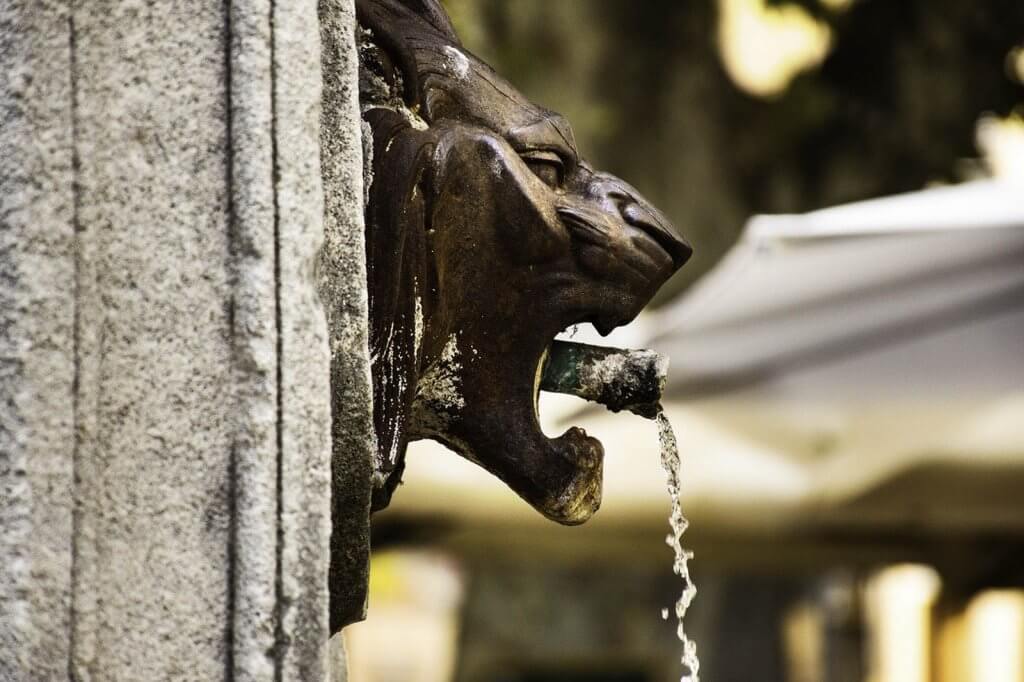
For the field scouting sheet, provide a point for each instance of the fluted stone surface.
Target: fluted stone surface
(165, 408)
(37, 339)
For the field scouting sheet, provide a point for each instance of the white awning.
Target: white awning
(905, 296)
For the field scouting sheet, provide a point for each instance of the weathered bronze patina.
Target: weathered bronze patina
(619, 379)
(487, 235)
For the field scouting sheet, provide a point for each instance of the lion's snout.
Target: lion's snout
(654, 226)
(619, 235)
(634, 210)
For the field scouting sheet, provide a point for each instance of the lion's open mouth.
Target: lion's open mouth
(562, 476)
(577, 496)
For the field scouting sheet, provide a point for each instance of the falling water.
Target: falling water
(670, 461)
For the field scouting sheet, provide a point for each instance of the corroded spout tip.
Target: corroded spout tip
(620, 379)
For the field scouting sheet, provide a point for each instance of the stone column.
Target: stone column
(38, 368)
(343, 288)
(165, 419)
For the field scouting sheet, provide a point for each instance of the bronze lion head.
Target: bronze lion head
(487, 235)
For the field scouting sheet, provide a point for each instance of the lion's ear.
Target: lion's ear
(433, 13)
(398, 25)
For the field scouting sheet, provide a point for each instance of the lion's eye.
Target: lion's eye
(546, 166)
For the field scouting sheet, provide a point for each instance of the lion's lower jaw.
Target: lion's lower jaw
(575, 499)
(561, 478)
(578, 502)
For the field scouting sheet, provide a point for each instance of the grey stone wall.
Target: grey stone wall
(37, 339)
(342, 286)
(165, 420)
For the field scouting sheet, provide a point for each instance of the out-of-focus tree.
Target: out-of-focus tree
(893, 106)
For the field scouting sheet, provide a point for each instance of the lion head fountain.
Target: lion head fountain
(487, 235)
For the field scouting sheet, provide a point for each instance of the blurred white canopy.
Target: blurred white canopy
(859, 365)
(879, 346)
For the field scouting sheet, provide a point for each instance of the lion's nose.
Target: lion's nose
(617, 195)
(655, 226)
(637, 212)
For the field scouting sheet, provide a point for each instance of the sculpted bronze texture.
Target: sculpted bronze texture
(487, 235)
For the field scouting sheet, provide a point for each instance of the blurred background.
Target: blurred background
(847, 380)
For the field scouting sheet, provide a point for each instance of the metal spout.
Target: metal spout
(619, 379)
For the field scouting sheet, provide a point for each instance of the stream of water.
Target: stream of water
(680, 565)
